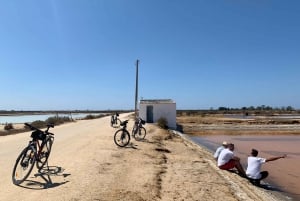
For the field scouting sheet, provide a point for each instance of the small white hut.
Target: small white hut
(152, 110)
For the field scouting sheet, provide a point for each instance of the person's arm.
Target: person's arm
(275, 158)
(217, 153)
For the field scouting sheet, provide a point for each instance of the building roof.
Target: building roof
(152, 101)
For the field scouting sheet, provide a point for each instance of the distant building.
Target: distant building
(153, 109)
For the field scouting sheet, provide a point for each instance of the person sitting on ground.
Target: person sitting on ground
(254, 166)
(219, 149)
(227, 160)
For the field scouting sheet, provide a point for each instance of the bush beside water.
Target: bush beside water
(56, 120)
(51, 120)
(8, 126)
(90, 116)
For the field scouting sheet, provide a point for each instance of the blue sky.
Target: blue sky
(79, 54)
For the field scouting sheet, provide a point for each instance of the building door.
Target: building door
(150, 114)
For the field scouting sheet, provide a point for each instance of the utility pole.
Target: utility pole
(136, 88)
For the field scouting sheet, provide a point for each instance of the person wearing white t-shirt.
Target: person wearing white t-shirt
(219, 149)
(227, 160)
(253, 171)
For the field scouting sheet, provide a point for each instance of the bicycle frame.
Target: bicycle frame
(37, 146)
(137, 124)
(114, 119)
(138, 131)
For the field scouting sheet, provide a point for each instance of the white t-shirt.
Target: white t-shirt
(225, 156)
(254, 166)
(218, 151)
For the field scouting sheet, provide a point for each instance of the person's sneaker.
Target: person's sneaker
(242, 175)
(255, 182)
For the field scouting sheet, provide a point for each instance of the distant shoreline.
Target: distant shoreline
(14, 127)
(32, 112)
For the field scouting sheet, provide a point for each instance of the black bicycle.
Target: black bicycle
(122, 136)
(37, 151)
(115, 121)
(138, 131)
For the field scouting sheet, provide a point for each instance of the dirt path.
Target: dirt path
(85, 164)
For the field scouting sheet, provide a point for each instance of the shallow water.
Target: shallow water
(284, 174)
(41, 117)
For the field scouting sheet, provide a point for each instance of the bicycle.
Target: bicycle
(115, 121)
(138, 131)
(122, 136)
(35, 152)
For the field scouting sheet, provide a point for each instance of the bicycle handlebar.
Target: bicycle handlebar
(124, 123)
(34, 128)
(31, 127)
(139, 120)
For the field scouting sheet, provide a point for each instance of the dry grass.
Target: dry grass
(243, 132)
(222, 125)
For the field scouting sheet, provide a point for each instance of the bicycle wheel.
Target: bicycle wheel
(23, 165)
(45, 152)
(134, 130)
(140, 134)
(122, 138)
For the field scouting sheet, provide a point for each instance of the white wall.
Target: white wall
(166, 110)
(143, 111)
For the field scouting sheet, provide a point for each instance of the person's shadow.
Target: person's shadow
(264, 185)
(46, 174)
(268, 187)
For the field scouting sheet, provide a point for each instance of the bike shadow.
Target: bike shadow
(45, 175)
(131, 145)
(134, 145)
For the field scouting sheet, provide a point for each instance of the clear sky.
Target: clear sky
(81, 54)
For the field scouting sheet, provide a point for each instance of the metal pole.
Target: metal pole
(136, 87)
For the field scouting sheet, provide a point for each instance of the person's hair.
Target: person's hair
(230, 146)
(254, 152)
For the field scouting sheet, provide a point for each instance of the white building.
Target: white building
(152, 110)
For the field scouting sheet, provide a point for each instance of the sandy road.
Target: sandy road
(85, 164)
(74, 160)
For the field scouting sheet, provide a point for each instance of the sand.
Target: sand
(85, 164)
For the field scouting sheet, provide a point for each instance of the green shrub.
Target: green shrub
(8, 126)
(38, 124)
(58, 120)
(51, 120)
(163, 123)
(90, 117)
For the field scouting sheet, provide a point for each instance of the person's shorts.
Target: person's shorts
(229, 165)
